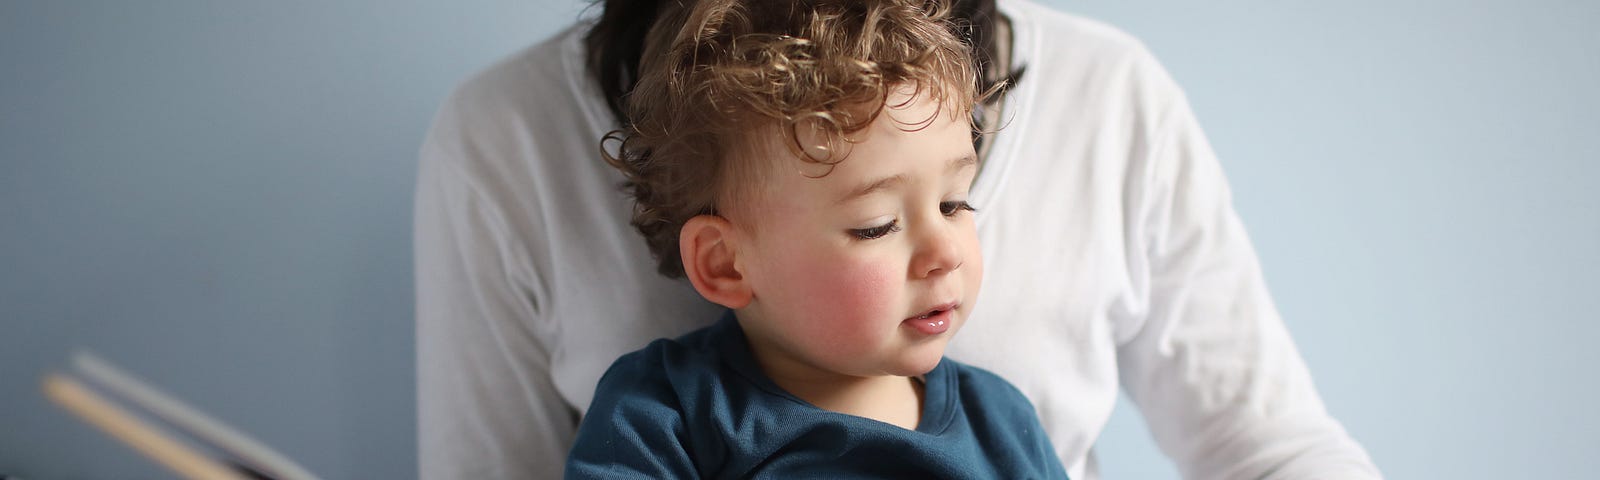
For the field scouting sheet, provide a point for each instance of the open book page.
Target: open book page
(256, 459)
(127, 427)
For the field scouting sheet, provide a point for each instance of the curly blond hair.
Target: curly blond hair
(719, 79)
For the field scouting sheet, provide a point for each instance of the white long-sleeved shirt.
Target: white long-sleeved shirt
(1113, 256)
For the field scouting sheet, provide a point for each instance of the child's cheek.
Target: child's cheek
(854, 299)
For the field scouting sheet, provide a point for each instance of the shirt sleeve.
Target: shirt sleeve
(1211, 366)
(487, 405)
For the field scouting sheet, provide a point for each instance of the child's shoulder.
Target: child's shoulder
(640, 420)
(667, 368)
(975, 374)
(1010, 423)
(979, 385)
(664, 358)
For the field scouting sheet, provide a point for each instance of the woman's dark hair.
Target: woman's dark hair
(616, 42)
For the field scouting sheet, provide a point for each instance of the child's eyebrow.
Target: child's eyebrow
(889, 182)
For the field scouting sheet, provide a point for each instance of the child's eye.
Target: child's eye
(876, 232)
(950, 209)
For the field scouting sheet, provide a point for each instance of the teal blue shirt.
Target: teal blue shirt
(700, 407)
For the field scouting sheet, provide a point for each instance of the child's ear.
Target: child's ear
(710, 253)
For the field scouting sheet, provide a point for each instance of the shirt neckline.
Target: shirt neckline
(938, 393)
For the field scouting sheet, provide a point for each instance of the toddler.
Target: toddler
(807, 165)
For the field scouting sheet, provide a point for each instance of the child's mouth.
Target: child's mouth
(934, 321)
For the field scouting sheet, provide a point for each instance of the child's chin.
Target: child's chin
(920, 360)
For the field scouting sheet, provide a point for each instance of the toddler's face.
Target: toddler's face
(871, 269)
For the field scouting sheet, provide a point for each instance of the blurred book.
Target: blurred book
(172, 433)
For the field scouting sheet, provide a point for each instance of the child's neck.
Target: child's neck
(891, 399)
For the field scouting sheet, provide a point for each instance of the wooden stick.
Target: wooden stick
(130, 429)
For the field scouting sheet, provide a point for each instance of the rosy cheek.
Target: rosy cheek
(850, 297)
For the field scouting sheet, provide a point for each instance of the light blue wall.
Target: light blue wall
(1419, 179)
(218, 197)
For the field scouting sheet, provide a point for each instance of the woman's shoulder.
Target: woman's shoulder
(1066, 47)
(532, 106)
(537, 72)
(1068, 32)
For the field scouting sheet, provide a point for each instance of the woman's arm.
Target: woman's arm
(1212, 367)
(487, 405)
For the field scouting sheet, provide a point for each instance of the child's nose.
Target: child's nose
(938, 252)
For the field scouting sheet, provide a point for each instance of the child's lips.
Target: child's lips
(935, 320)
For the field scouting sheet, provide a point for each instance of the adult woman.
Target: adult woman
(1106, 227)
